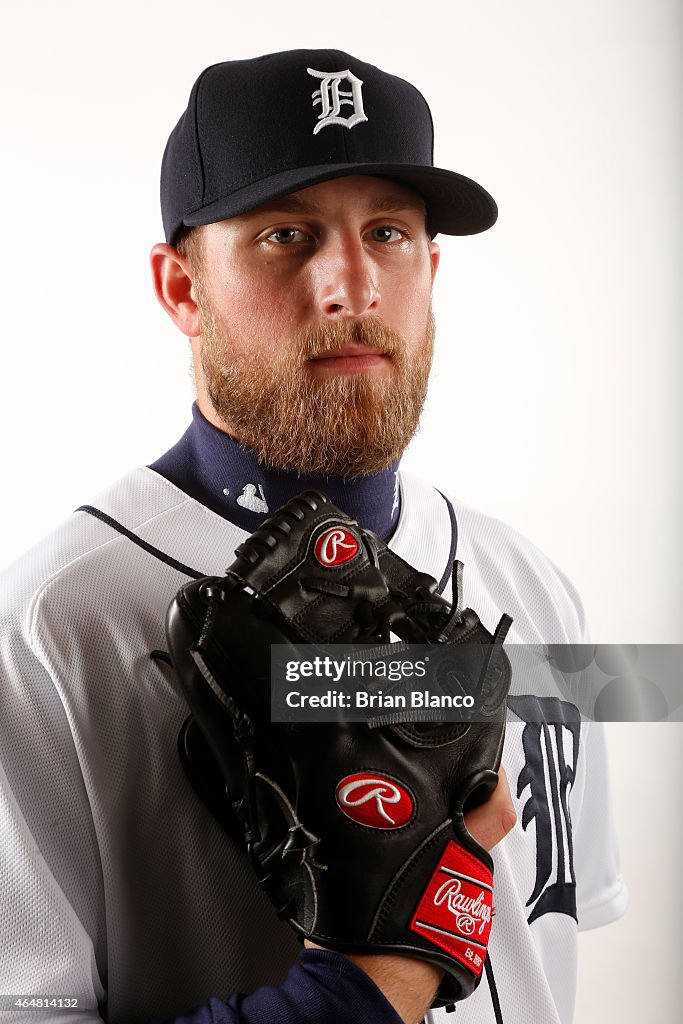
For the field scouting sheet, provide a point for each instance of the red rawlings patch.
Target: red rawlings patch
(374, 800)
(456, 908)
(335, 545)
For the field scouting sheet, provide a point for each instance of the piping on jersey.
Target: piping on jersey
(149, 548)
(454, 544)
(180, 567)
(488, 967)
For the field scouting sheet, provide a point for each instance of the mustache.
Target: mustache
(372, 332)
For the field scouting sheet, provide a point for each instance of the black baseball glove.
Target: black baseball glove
(355, 829)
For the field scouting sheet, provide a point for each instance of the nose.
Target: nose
(346, 279)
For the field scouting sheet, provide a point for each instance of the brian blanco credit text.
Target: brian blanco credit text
(360, 699)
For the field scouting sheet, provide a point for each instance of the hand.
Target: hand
(410, 985)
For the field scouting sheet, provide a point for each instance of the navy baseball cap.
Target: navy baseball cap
(258, 129)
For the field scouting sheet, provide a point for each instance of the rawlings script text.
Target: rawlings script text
(468, 910)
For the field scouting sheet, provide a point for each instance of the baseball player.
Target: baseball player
(300, 206)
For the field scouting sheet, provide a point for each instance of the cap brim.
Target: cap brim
(456, 205)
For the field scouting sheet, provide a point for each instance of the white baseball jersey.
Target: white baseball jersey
(117, 887)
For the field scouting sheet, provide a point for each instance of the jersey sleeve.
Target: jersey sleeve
(601, 893)
(51, 905)
(46, 953)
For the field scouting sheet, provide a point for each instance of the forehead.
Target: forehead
(361, 192)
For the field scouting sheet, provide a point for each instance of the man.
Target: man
(300, 206)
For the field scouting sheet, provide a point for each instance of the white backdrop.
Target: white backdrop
(554, 400)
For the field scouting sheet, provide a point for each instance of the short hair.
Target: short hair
(189, 245)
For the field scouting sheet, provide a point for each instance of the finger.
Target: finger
(492, 820)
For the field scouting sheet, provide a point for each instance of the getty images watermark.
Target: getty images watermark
(418, 680)
(604, 682)
(360, 679)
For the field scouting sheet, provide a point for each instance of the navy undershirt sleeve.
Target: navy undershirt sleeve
(323, 988)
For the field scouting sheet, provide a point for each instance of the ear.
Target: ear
(173, 284)
(435, 256)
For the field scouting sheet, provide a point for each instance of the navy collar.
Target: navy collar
(226, 477)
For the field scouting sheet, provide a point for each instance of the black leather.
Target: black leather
(346, 884)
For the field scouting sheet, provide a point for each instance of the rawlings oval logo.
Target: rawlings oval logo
(374, 801)
(335, 546)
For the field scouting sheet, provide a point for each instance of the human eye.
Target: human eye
(286, 236)
(387, 233)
